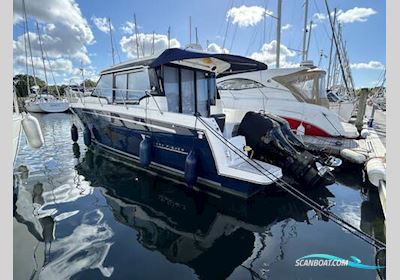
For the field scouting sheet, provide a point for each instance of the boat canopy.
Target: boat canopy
(221, 64)
(306, 85)
(214, 62)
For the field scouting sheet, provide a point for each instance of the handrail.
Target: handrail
(70, 95)
(98, 92)
(147, 92)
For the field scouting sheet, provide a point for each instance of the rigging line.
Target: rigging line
(227, 28)
(29, 41)
(52, 74)
(251, 42)
(222, 23)
(233, 37)
(296, 193)
(319, 11)
(41, 50)
(234, 33)
(26, 63)
(337, 47)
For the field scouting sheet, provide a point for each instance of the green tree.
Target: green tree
(89, 83)
(21, 84)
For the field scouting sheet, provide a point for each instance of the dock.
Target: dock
(370, 147)
(371, 151)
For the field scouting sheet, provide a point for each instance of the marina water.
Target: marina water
(79, 214)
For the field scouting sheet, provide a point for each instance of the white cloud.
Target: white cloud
(65, 34)
(102, 24)
(320, 17)
(62, 13)
(128, 27)
(286, 26)
(374, 65)
(246, 16)
(54, 45)
(60, 65)
(63, 69)
(267, 54)
(128, 44)
(355, 15)
(213, 47)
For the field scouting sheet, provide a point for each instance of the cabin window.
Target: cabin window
(188, 91)
(238, 84)
(202, 93)
(138, 83)
(104, 87)
(120, 87)
(171, 88)
(188, 94)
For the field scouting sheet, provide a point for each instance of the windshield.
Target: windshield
(308, 86)
(304, 86)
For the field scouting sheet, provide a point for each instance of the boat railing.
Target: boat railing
(99, 93)
(70, 93)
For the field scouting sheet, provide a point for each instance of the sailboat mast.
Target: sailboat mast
(137, 36)
(52, 74)
(309, 39)
(29, 42)
(278, 33)
(41, 50)
(83, 78)
(111, 41)
(337, 47)
(169, 37)
(190, 30)
(330, 52)
(305, 30)
(152, 45)
(26, 63)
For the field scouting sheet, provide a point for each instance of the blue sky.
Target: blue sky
(74, 33)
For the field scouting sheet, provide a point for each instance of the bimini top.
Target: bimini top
(221, 64)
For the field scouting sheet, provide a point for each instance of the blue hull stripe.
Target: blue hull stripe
(123, 133)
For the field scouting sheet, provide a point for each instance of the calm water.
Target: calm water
(79, 215)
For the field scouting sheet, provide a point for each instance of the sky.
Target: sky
(75, 33)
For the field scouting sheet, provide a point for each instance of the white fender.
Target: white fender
(353, 156)
(376, 171)
(364, 133)
(32, 131)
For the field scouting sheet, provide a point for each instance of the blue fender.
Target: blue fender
(145, 152)
(191, 168)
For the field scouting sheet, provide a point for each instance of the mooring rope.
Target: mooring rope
(296, 193)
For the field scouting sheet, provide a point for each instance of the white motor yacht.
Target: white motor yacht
(295, 94)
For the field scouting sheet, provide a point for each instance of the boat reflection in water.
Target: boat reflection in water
(185, 226)
(38, 208)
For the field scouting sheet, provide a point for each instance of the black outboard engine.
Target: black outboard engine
(272, 141)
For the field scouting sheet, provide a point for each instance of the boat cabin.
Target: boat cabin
(301, 84)
(178, 81)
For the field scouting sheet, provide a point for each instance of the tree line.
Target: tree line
(22, 89)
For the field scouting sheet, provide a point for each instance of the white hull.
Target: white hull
(317, 120)
(17, 118)
(47, 107)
